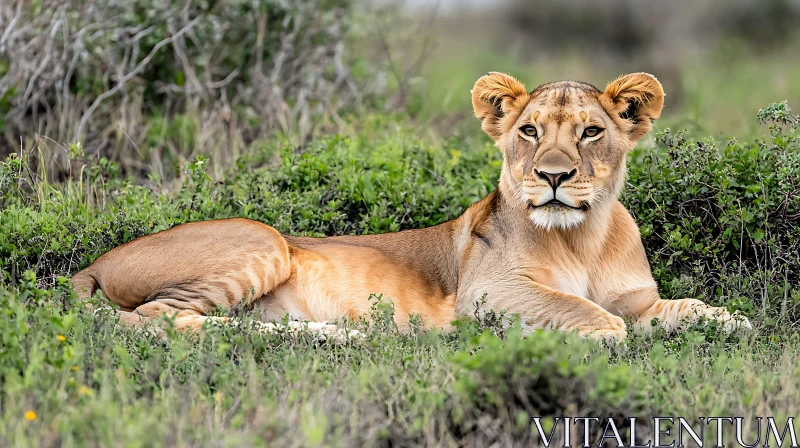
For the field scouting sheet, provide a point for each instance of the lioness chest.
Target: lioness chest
(597, 282)
(603, 265)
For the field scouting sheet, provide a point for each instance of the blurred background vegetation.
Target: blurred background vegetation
(120, 118)
(719, 60)
(150, 84)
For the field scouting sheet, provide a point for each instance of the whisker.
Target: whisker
(517, 194)
(599, 194)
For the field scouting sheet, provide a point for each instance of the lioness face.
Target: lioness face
(564, 144)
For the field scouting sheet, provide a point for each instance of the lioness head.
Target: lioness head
(564, 143)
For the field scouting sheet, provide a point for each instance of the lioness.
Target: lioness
(552, 243)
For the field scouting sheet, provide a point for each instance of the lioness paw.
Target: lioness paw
(730, 323)
(611, 337)
(333, 332)
(611, 330)
(323, 330)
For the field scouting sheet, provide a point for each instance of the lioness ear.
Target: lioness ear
(634, 101)
(498, 98)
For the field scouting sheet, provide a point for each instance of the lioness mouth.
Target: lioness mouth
(555, 203)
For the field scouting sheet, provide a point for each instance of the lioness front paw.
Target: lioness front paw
(613, 331)
(333, 332)
(731, 323)
(611, 337)
(323, 330)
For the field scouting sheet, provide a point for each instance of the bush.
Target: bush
(150, 83)
(720, 221)
(503, 384)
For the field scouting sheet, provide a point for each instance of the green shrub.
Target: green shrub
(719, 221)
(149, 84)
(516, 379)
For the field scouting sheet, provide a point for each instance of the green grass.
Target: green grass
(718, 220)
(102, 384)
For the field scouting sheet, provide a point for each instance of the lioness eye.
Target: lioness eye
(591, 131)
(528, 130)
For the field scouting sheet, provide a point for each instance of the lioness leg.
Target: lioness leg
(671, 314)
(189, 320)
(183, 319)
(541, 307)
(187, 271)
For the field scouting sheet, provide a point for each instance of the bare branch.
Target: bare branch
(121, 83)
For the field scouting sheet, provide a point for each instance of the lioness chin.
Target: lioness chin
(552, 243)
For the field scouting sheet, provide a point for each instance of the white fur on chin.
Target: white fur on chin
(549, 218)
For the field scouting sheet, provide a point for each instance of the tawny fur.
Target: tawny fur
(576, 264)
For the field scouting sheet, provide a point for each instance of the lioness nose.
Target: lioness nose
(556, 179)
